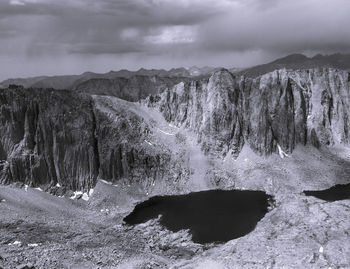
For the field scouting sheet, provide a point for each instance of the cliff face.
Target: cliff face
(282, 108)
(123, 152)
(49, 137)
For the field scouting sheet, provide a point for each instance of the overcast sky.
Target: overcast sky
(72, 36)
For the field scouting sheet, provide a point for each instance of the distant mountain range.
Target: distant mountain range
(300, 62)
(133, 85)
(72, 82)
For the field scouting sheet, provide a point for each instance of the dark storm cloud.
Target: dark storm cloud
(9, 10)
(167, 32)
(153, 13)
(95, 26)
(281, 26)
(103, 48)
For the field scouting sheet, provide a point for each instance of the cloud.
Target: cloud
(105, 26)
(166, 32)
(173, 35)
(288, 26)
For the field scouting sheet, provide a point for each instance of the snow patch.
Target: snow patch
(3, 200)
(149, 143)
(106, 182)
(15, 243)
(246, 159)
(26, 187)
(33, 245)
(76, 193)
(281, 152)
(39, 189)
(321, 249)
(58, 185)
(91, 191)
(164, 132)
(85, 197)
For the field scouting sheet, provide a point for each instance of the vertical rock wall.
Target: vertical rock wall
(281, 107)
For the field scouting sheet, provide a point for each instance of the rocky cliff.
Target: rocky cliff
(275, 111)
(63, 138)
(52, 138)
(47, 137)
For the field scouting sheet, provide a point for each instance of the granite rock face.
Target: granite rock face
(58, 137)
(47, 137)
(282, 108)
(51, 137)
(123, 152)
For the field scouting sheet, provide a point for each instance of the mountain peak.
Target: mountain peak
(292, 58)
(300, 62)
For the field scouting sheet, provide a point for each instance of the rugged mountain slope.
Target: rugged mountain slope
(56, 82)
(131, 89)
(50, 136)
(61, 137)
(300, 61)
(73, 81)
(74, 139)
(279, 109)
(25, 82)
(47, 137)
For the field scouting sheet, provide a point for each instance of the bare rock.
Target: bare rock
(26, 266)
(282, 108)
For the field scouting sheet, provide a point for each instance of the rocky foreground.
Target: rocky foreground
(299, 232)
(282, 133)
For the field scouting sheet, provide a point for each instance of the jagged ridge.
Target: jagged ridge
(52, 136)
(283, 108)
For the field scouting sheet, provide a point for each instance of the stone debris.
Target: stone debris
(26, 266)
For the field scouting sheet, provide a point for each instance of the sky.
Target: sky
(51, 37)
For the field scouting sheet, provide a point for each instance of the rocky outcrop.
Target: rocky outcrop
(123, 153)
(73, 139)
(47, 137)
(282, 108)
(131, 89)
(51, 137)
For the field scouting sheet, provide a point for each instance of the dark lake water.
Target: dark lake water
(335, 193)
(211, 216)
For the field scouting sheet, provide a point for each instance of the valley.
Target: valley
(281, 133)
